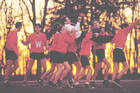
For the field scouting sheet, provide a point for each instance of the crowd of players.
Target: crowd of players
(63, 47)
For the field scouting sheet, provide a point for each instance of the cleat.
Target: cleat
(76, 86)
(59, 83)
(106, 83)
(6, 83)
(117, 83)
(70, 84)
(52, 84)
(40, 82)
(86, 85)
(92, 85)
(24, 83)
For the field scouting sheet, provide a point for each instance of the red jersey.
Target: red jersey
(60, 42)
(72, 47)
(120, 38)
(37, 42)
(12, 41)
(86, 45)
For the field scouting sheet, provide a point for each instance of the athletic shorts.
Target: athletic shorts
(47, 55)
(57, 57)
(37, 56)
(118, 55)
(100, 53)
(10, 55)
(84, 61)
(71, 57)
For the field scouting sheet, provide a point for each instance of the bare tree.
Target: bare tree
(33, 19)
(2, 2)
(32, 3)
(44, 15)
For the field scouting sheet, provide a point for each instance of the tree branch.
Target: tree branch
(1, 4)
(22, 19)
(44, 15)
(34, 13)
(30, 1)
(27, 11)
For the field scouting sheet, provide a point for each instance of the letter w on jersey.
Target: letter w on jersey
(38, 44)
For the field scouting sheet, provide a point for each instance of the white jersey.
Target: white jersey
(69, 28)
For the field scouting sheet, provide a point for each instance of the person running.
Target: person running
(38, 42)
(71, 50)
(100, 53)
(118, 54)
(58, 53)
(12, 52)
(84, 58)
(48, 74)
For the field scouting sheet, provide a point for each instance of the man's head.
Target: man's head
(102, 29)
(37, 28)
(67, 20)
(18, 26)
(79, 19)
(96, 24)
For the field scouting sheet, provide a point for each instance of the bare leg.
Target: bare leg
(15, 66)
(80, 75)
(48, 72)
(58, 73)
(67, 69)
(8, 70)
(43, 64)
(89, 74)
(28, 69)
(106, 69)
(116, 68)
(125, 68)
(96, 71)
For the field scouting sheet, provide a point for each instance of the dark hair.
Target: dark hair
(62, 20)
(18, 24)
(124, 25)
(38, 25)
(56, 28)
(102, 27)
(92, 22)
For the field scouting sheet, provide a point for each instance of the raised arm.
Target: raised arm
(130, 27)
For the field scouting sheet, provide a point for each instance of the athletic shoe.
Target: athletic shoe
(76, 85)
(24, 83)
(59, 83)
(6, 83)
(52, 84)
(92, 84)
(117, 83)
(70, 83)
(40, 82)
(106, 83)
(86, 85)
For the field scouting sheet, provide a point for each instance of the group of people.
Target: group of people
(63, 52)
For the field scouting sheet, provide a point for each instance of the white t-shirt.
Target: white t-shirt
(69, 28)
